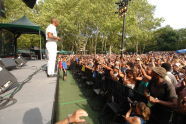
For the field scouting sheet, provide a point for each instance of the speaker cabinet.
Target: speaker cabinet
(8, 63)
(6, 80)
(20, 61)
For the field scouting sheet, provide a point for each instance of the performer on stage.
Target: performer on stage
(51, 46)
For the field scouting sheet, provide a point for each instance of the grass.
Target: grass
(71, 97)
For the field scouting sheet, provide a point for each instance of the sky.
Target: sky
(173, 12)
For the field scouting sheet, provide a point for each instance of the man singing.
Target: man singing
(51, 46)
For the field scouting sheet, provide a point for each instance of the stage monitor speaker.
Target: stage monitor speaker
(6, 80)
(20, 61)
(1, 64)
(8, 63)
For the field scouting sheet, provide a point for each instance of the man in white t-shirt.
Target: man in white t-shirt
(51, 46)
(170, 77)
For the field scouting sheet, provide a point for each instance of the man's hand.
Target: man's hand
(153, 100)
(58, 38)
(75, 117)
(50, 35)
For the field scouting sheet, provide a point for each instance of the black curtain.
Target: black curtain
(2, 8)
(7, 45)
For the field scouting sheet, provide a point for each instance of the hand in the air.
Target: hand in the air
(75, 117)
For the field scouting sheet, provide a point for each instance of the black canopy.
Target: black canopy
(30, 3)
(22, 26)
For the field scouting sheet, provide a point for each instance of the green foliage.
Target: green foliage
(168, 39)
(89, 24)
(181, 44)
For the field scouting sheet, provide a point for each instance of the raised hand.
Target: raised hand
(75, 117)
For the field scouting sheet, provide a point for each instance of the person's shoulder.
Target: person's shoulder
(170, 74)
(51, 26)
(136, 120)
(168, 83)
(169, 86)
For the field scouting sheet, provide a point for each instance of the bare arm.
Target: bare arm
(153, 64)
(131, 120)
(89, 68)
(106, 67)
(128, 113)
(121, 74)
(75, 117)
(51, 36)
(65, 121)
(139, 78)
(144, 73)
(171, 104)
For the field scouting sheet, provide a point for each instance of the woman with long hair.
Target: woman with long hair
(140, 116)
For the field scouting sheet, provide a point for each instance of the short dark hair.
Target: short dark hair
(128, 71)
(130, 64)
(166, 66)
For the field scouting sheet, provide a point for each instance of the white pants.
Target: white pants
(52, 53)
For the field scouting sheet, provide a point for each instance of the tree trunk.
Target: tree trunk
(72, 48)
(92, 46)
(105, 49)
(137, 46)
(143, 48)
(110, 50)
(102, 45)
(95, 47)
(76, 47)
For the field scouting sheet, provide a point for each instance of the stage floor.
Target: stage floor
(35, 101)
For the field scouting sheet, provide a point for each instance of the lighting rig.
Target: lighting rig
(122, 10)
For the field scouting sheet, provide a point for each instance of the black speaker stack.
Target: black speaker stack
(10, 63)
(6, 78)
(20, 61)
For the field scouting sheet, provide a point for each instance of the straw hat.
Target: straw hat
(160, 71)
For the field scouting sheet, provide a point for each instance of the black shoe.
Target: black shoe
(53, 75)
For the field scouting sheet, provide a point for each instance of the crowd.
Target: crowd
(159, 76)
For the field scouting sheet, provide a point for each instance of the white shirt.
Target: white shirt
(172, 78)
(52, 29)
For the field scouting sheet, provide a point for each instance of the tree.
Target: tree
(182, 39)
(91, 23)
(140, 25)
(167, 39)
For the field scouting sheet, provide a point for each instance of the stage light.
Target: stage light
(122, 10)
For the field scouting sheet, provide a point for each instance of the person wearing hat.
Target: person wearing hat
(162, 95)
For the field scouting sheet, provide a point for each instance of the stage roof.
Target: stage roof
(22, 26)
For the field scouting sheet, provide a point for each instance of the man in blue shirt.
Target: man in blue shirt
(64, 65)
